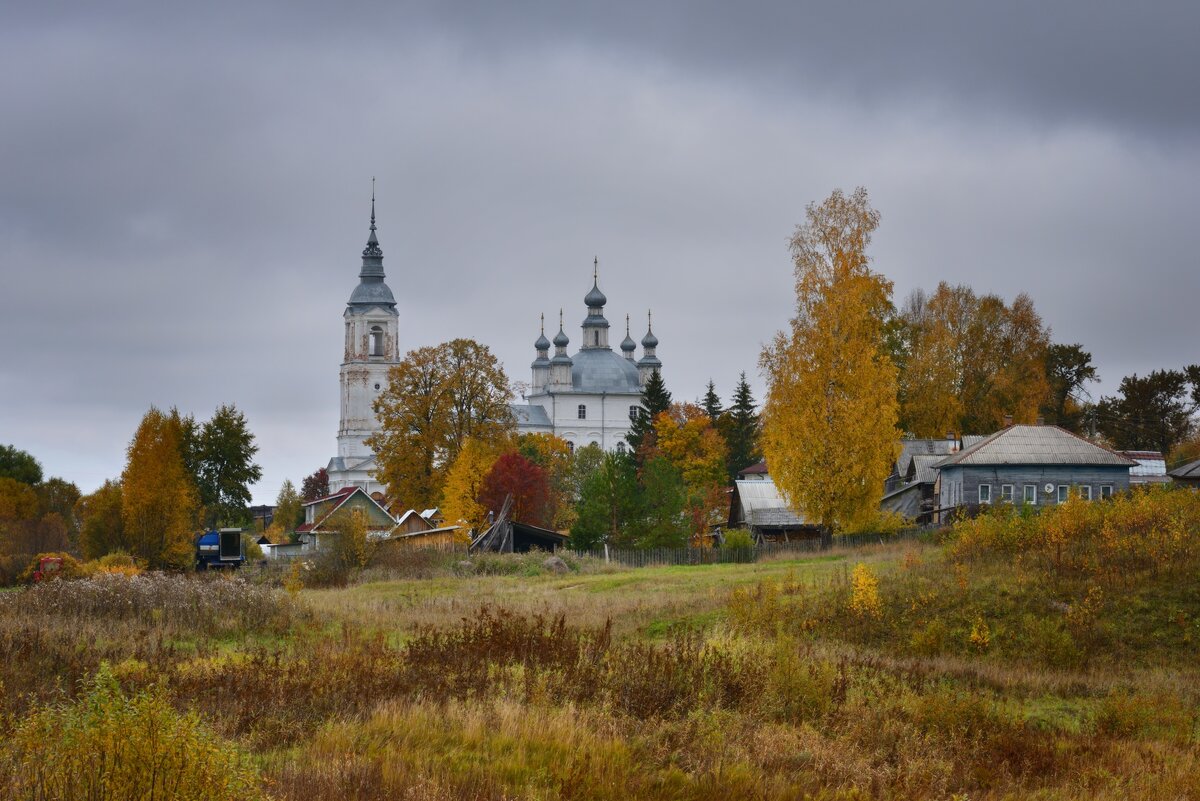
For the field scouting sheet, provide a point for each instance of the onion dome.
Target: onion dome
(542, 343)
(628, 345)
(595, 298)
(649, 341)
(561, 340)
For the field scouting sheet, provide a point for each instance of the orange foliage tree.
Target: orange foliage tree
(687, 438)
(159, 501)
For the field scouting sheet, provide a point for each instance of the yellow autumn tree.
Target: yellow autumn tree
(436, 399)
(829, 421)
(159, 501)
(464, 480)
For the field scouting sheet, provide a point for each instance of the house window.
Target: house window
(376, 341)
(1085, 491)
(633, 412)
(582, 411)
(985, 493)
(1006, 493)
(1105, 491)
(1029, 494)
(1063, 493)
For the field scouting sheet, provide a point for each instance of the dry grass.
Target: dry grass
(491, 687)
(644, 600)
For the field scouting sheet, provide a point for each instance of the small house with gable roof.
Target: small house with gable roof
(1037, 465)
(318, 514)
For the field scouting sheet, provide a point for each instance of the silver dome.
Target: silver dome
(601, 370)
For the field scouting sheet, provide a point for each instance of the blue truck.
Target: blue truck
(220, 549)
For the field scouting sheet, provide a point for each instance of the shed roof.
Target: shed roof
(1191, 470)
(763, 505)
(1041, 445)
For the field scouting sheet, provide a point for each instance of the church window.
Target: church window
(570, 446)
(633, 412)
(582, 411)
(376, 386)
(621, 448)
(376, 341)
(597, 338)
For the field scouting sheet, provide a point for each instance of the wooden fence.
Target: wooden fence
(662, 557)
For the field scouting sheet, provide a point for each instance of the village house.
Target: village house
(911, 489)
(319, 513)
(1038, 465)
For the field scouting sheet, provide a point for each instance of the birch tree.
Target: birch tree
(829, 422)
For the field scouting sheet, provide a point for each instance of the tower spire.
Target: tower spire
(543, 316)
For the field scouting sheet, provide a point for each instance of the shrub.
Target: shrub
(109, 745)
(119, 562)
(738, 538)
(864, 593)
(68, 569)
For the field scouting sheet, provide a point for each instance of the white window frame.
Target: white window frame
(1106, 491)
(582, 411)
(1029, 494)
(980, 490)
(1064, 492)
(633, 412)
(1007, 493)
(1085, 491)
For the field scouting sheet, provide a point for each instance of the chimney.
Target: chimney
(953, 441)
(1041, 421)
(1008, 421)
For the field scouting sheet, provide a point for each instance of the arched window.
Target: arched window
(621, 448)
(376, 341)
(582, 411)
(570, 446)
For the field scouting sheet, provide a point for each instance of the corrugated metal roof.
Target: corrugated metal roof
(1189, 470)
(926, 472)
(1026, 444)
(761, 501)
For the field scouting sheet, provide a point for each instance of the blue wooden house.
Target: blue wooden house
(1038, 465)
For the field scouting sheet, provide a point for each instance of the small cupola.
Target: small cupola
(628, 346)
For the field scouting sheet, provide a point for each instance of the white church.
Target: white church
(589, 397)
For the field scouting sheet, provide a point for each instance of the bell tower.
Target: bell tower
(371, 348)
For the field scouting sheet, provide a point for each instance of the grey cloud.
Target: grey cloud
(182, 220)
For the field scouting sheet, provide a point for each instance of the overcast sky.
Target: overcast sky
(184, 191)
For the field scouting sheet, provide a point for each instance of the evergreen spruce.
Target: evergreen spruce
(655, 400)
(712, 403)
(740, 427)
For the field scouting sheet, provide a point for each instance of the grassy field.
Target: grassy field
(966, 671)
(640, 602)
